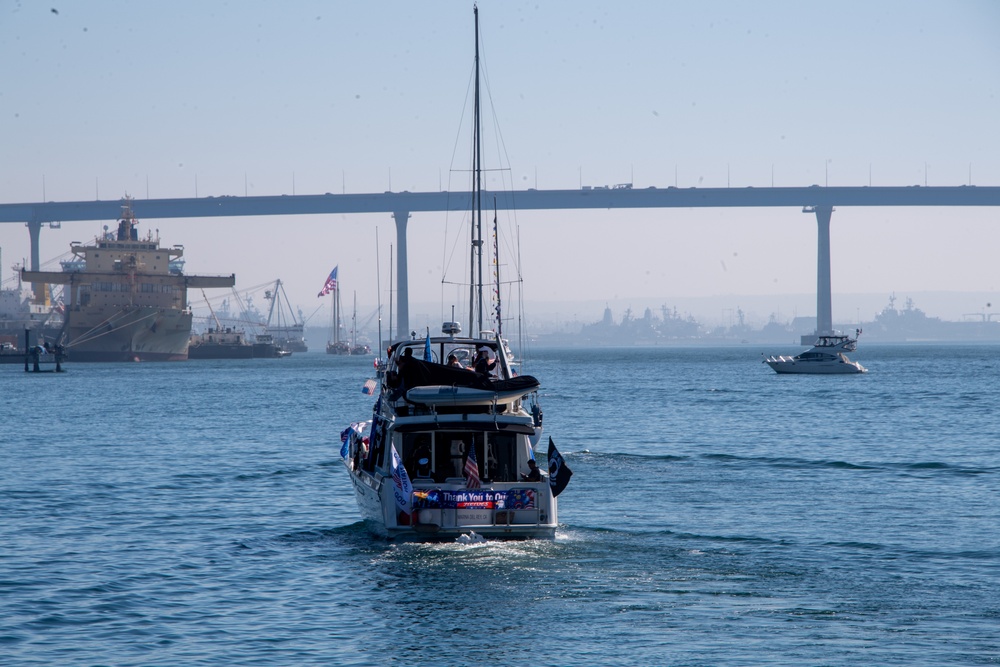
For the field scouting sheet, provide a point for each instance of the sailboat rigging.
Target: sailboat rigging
(288, 332)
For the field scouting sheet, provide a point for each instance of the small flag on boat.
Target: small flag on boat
(330, 284)
(427, 347)
(559, 472)
(345, 436)
(369, 387)
(404, 490)
(471, 470)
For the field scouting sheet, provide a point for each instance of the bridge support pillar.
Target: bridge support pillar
(402, 286)
(824, 299)
(34, 234)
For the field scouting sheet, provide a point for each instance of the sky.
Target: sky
(182, 99)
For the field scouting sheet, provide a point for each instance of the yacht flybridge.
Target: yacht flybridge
(825, 357)
(447, 451)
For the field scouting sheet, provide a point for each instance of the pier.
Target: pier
(816, 200)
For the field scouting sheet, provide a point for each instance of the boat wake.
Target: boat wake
(472, 538)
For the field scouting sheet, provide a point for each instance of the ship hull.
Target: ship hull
(128, 334)
(220, 352)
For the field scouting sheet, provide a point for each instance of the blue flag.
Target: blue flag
(559, 472)
(427, 347)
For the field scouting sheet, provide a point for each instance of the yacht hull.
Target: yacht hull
(825, 357)
(376, 504)
(809, 368)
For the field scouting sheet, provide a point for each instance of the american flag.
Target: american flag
(369, 387)
(331, 283)
(471, 470)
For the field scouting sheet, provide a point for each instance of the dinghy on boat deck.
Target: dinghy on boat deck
(504, 391)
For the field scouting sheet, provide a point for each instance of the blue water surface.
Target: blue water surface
(197, 513)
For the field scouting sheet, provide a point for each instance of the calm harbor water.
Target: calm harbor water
(198, 514)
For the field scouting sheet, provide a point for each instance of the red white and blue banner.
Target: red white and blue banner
(511, 499)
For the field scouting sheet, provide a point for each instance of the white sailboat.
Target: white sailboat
(335, 345)
(448, 451)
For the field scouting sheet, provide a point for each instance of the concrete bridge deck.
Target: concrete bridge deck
(812, 199)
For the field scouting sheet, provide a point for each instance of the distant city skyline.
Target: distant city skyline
(109, 98)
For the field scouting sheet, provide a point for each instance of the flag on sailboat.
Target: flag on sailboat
(330, 284)
(427, 347)
(369, 387)
(559, 472)
(471, 470)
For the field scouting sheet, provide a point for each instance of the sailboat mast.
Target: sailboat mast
(336, 314)
(476, 265)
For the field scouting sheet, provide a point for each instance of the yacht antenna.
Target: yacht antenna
(378, 292)
(496, 263)
(390, 293)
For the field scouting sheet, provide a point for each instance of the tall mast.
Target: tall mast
(476, 265)
(336, 314)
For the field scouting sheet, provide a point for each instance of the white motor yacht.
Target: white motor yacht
(825, 357)
(447, 451)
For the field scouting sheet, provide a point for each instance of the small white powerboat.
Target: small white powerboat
(825, 357)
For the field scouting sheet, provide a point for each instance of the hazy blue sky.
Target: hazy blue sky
(225, 98)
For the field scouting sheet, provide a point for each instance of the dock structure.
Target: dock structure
(819, 200)
(38, 357)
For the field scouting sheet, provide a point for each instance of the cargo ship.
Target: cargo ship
(125, 298)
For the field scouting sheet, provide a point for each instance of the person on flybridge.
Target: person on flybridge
(484, 364)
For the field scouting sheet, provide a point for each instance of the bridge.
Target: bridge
(820, 201)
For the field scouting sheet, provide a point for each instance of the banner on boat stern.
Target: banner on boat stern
(511, 499)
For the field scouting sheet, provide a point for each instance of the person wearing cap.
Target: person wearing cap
(483, 364)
